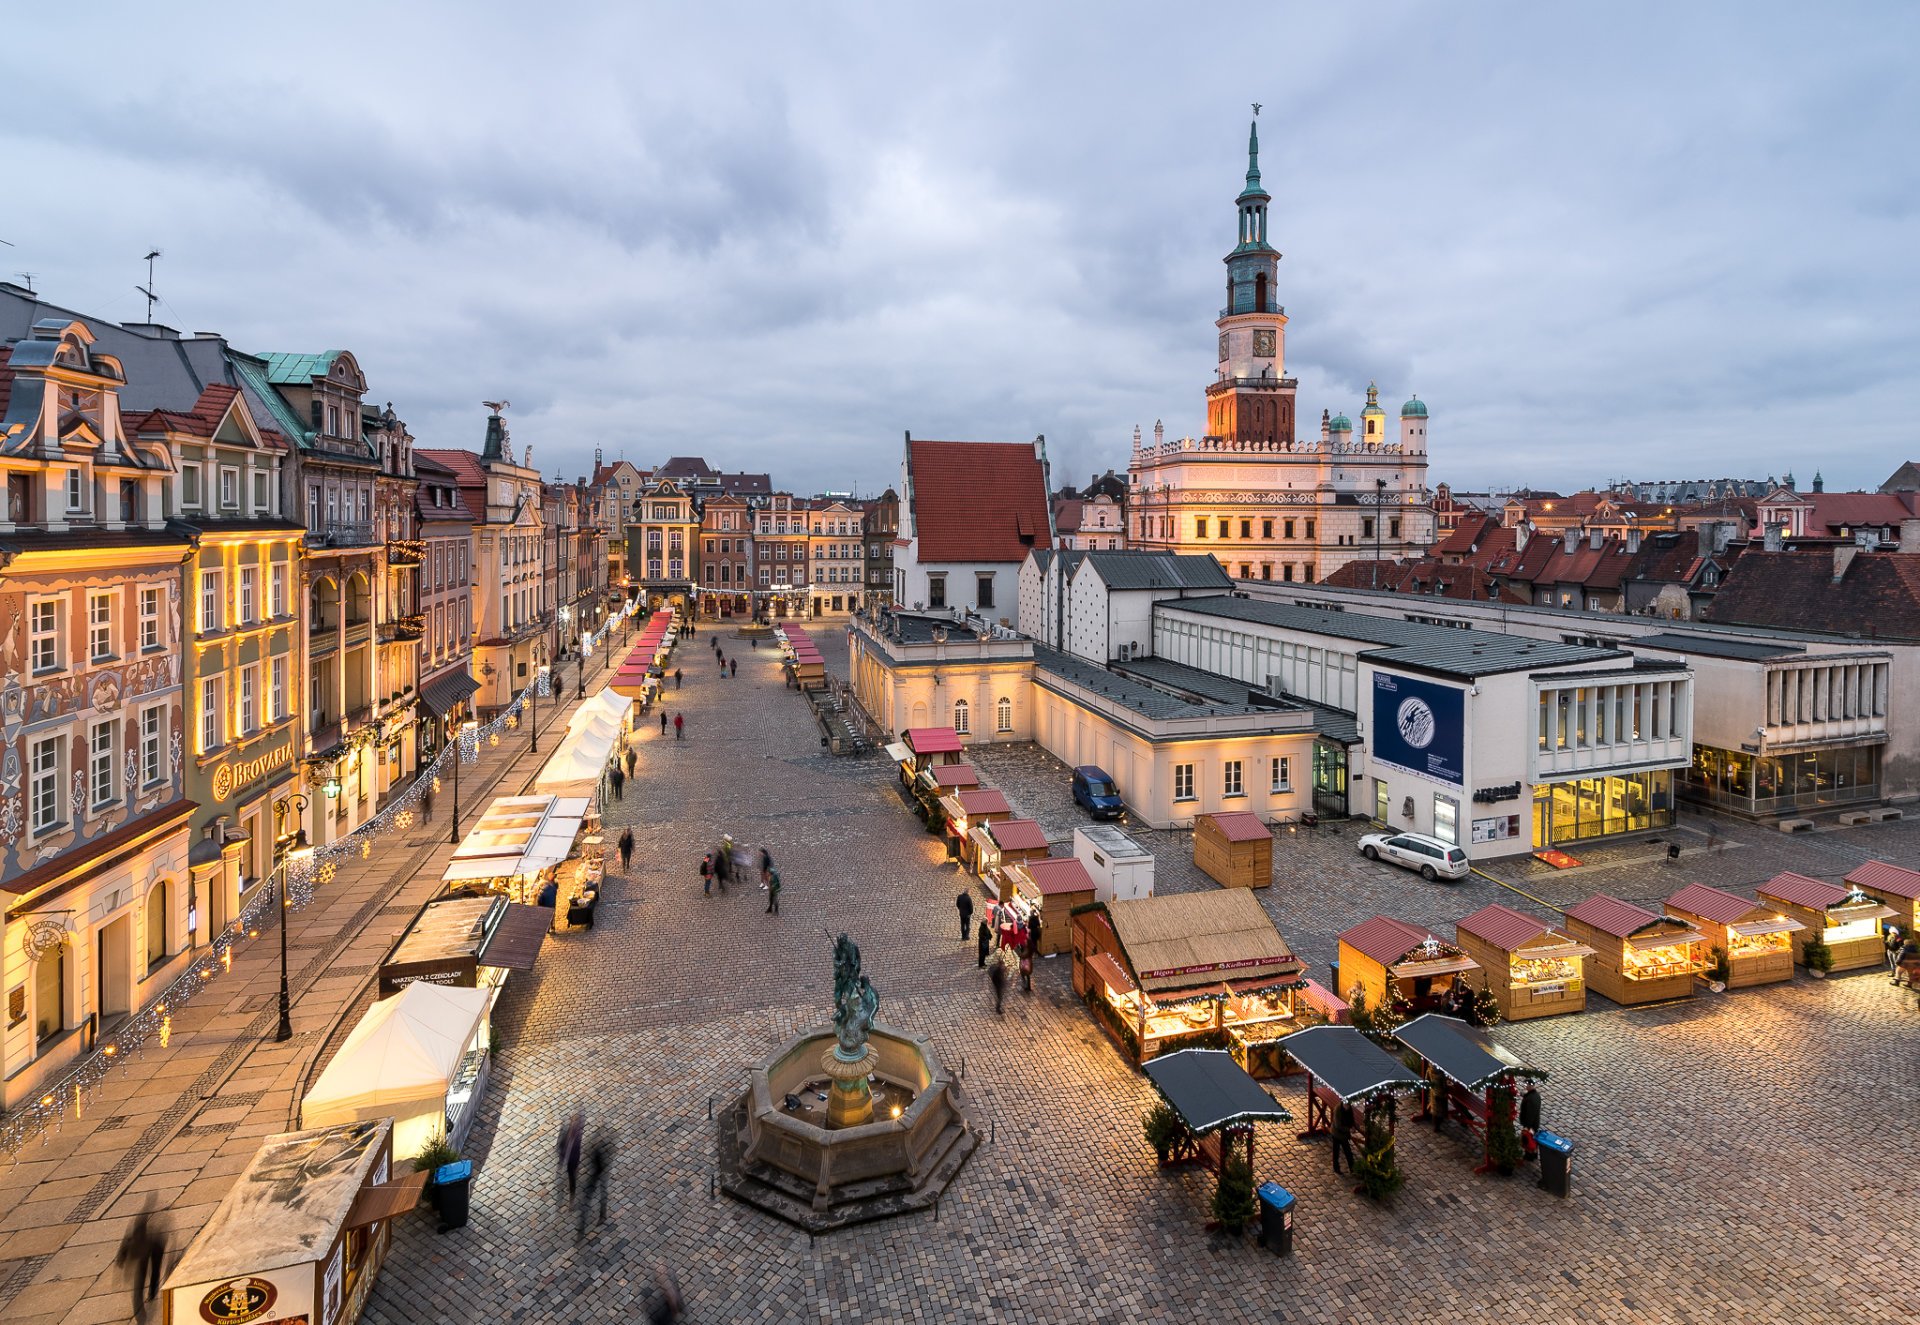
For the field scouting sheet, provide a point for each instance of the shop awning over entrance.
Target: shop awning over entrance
(1209, 1090)
(444, 693)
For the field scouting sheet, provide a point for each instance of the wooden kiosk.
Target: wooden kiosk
(1847, 918)
(1757, 939)
(1054, 886)
(1639, 956)
(1532, 968)
(969, 809)
(1234, 849)
(1383, 952)
(1894, 885)
(998, 845)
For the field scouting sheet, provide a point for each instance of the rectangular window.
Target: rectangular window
(151, 732)
(1183, 782)
(1266, 570)
(1308, 533)
(100, 782)
(249, 594)
(1200, 527)
(984, 590)
(1382, 806)
(249, 700)
(44, 790)
(1366, 526)
(229, 488)
(1446, 820)
(1282, 773)
(1246, 529)
(1230, 782)
(1266, 529)
(278, 589)
(209, 601)
(43, 627)
(766, 576)
(190, 484)
(936, 591)
(149, 619)
(1393, 527)
(76, 491)
(211, 726)
(261, 503)
(99, 626)
(1546, 720)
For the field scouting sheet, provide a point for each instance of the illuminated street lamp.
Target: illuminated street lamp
(287, 846)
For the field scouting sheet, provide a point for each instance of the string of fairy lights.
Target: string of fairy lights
(305, 871)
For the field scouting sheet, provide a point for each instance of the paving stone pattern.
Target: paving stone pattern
(1735, 1156)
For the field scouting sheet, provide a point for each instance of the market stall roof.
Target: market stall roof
(932, 740)
(1018, 835)
(1058, 874)
(602, 705)
(1722, 908)
(1347, 1062)
(1881, 877)
(1239, 825)
(1819, 895)
(1753, 929)
(1624, 920)
(516, 940)
(1502, 926)
(1394, 943)
(983, 800)
(1179, 940)
(451, 927)
(954, 775)
(1210, 1091)
(518, 836)
(404, 1050)
(1453, 1048)
(288, 1204)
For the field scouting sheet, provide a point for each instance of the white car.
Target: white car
(1432, 857)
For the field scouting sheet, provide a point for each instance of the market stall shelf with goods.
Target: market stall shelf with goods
(1386, 959)
(1532, 968)
(1847, 920)
(1639, 956)
(1894, 885)
(1756, 939)
(1234, 849)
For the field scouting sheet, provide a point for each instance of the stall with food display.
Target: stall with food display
(466, 942)
(1757, 940)
(301, 1233)
(1472, 1081)
(1234, 849)
(1054, 887)
(536, 849)
(1391, 964)
(1532, 969)
(1639, 956)
(970, 808)
(1189, 970)
(1846, 920)
(1002, 843)
(1895, 886)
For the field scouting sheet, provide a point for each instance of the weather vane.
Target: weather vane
(1256, 108)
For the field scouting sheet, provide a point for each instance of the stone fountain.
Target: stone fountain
(847, 1123)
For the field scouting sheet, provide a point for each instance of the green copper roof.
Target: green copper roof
(299, 369)
(1414, 409)
(1373, 401)
(1253, 189)
(1341, 423)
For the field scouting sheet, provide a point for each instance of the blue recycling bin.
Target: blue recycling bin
(1276, 1218)
(452, 1186)
(1556, 1162)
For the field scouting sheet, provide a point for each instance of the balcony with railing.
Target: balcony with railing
(342, 535)
(406, 551)
(404, 629)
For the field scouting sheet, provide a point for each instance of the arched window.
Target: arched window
(156, 924)
(1004, 712)
(960, 709)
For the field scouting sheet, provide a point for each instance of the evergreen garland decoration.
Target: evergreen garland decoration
(1503, 1141)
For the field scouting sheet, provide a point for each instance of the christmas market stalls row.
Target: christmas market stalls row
(1387, 963)
(800, 657)
(1531, 968)
(534, 849)
(1846, 919)
(642, 672)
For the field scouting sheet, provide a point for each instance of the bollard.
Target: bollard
(709, 1108)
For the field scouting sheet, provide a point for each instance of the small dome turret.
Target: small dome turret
(1414, 409)
(1341, 423)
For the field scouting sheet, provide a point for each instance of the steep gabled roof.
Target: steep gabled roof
(1157, 570)
(978, 501)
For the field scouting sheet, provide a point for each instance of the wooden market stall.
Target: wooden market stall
(300, 1235)
(1532, 968)
(1385, 955)
(1470, 1080)
(928, 745)
(1344, 1067)
(1217, 1102)
(523, 843)
(1894, 885)
(935, 782)
(1189, 969)
(1054, 887)
(970, 808)
(466, 942)
(1639, 956)
(1757, 939)
(999, 844)
(1234, 849)
(1848, 919)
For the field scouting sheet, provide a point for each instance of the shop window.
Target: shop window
(1004, 714)
(1446, 819)
(960, 712)
(1183, 782)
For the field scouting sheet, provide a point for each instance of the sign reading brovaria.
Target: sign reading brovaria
(1419, 727)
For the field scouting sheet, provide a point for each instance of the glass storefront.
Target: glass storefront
(1747, 783)
(1329, 779)
(1582, 809)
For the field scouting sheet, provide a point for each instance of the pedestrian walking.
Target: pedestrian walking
(1530, 1120)
(1895, 940)
(679, 727)
(626, 850)
(599, 1165)
(619, 783)
(663, 722)
(664, 1306)
(997, 977)
(143, 1247)
(426, 803)
(1342, 1135)
(733, 667)
(632, 759)
(773, 892)
(706, 875)
(964, 903)
(676, 678)
(1026, 968)
(766, 864)
(568, 1148)
(985, 938)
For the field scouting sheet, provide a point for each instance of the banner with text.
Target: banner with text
(1419, 727)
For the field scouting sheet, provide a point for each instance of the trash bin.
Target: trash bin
(1556, 1162)
(452, 1184)
(1276, 1218)
(1334, 988)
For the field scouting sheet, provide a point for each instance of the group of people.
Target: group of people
(728, 667)
(1006, 928)
(576, 1150)
(679, 725)
(618, 778)
(731, 863)
(1900, 950)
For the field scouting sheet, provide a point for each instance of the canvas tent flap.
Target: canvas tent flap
(405, 1050)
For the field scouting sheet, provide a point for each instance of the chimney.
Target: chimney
(1595, 537)
(1703, 538)
(1521, 533)
(1910, 535)
(1843, 556)
(1774, 539)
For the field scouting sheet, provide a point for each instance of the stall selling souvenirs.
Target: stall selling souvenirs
(1757, 940)
(1848, 920)
(1532, 968)
(1471, 1081)
(1638, 956)
(521, 844)
(1895, 886)
(1234, 849)
(1053, 887)
(300, 1235)
(1189, 970)
(969, 808)
(1386, 957)
(466, 942)
(997, 845)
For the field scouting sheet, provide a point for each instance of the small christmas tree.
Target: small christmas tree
(1378, 1168)
(1503, 1142)
(1486, 1008)
(1233, 1203)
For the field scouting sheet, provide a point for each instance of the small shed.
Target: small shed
(931, 745)
(1234, 849)
(997, 845)
(1055, 886)
(1758, 940)
(1122, 869)
(1384, 954)
(1532, 968)
(971, 808)
(1847, 918)
(1639, 956)
(1895, 885)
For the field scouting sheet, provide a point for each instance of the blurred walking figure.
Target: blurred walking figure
(1026, 968)
(733, 667)
(426, 803)
(632, 759)
(663, 722)
(679, 727)
(773, 892)
(599, 1161)
(626, 850)
(766, 864)
(619, 784)
(568, 1149)
(676, 678)
(144, 1248)
(997, 977)
(664, 1307)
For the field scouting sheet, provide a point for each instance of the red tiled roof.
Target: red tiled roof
(1018, 835)
(1060, 874)
(1239, 825)
(932, 740)
(1722, 908)
(1502, 926)
(1612, 916)
(1815, 894)
(1466, 536)
(1385, 939)
(977, 501)
(1880, 877)
(1878, 594)
(1066, 515)
(1835, 510)
(984, 800)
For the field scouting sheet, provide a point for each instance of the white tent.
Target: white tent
(575, 768)
(400, 1062)
(517, 837)
(602, 705)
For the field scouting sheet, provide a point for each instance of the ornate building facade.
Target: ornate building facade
(1268, 504)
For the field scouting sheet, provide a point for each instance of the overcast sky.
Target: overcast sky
(1602, 241)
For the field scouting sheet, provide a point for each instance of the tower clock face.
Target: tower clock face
(1263, 344)
(1223, 345)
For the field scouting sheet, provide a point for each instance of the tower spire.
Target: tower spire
(1253, 151)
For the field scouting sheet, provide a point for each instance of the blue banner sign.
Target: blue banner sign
(1419, 727)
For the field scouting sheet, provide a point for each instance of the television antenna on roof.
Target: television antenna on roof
(147, 289)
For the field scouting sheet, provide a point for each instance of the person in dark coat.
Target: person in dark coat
(663, 722)
(1342, 1135)
(569, 1150)
(986, 938)
(144, 1248)
(426, 803)
(626, 850)
(733, 667)
(1026, 968)
(1530, 1119)
(964, 902)
(773, 892)
(706, 875)
(632, 759)
(676, 678)
(997, 977)
(599, 1163)
(619, 783)
(766, 864)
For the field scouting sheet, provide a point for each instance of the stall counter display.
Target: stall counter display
(1639, 956)
(1383, 955)
(1757, 939)
(1847, 918)
(1894, 885)
(1533, 969)
(1234, 849)
(1008, 842)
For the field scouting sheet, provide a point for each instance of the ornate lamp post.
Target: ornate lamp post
(286, 846)
(458, 736)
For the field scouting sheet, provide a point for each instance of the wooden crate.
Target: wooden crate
(1234, 849)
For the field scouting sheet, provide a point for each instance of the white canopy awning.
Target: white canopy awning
(575, 768)
(603, 705)
(899, 753)
(1753, 929)
(400, 1059)
(518, 837)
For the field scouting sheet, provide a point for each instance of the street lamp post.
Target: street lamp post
(533, 711)
(458, 739)
(286, 846)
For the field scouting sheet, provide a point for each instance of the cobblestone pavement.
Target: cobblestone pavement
(1733, 1154)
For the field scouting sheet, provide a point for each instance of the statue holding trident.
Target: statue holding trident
(851, 1060)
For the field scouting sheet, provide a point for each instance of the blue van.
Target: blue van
(1093, 789)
